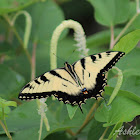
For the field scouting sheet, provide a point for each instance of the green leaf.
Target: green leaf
(96, 130)
(130, 84)
(10, 82)
(71, 110)
(28, 120)
(4, 107)
(6, 49)
(124, 93)
(119, 110)
(127, 65)
(6, 112)
(5, 103)
(10, 103)
(7, 6)
(59, 136)
(130, 72)
(111, 12)
(46, 16)
(128, 42)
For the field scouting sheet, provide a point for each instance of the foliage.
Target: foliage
(4, 111)
(25, 51)
(110, 15)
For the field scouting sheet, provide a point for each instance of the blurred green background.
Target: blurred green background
(97, 17)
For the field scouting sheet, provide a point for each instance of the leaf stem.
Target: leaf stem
(39, 103)
(5, 125)
(118, 85)
(70, 132)
(87, 117)
(40, 130)
(18, 38)
(137, 6)
(46, 122)
(102, 137)
(111, 37)
(129, 23)
(125, 28)
(87, 120)
(4, 128)
(27, 26)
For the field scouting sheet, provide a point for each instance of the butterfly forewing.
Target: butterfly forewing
(50, 83)
(91, 71)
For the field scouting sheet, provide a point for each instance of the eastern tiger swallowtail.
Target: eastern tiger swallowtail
(75, 83)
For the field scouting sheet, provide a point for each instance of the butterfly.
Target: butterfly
(73, 84)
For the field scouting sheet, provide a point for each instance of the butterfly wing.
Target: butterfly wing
(90, 71)
(57, 82)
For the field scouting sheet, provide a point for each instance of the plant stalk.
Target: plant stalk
(102, 137)
(125, 28)
(5, 125)
(18, 38)
(112, 37)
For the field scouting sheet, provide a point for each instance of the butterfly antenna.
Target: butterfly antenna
(80, 108)
(59, 57)
(70, 56)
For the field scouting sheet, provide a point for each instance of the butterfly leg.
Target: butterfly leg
(80, 107)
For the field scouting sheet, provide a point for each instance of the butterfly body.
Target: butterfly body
(75, 83)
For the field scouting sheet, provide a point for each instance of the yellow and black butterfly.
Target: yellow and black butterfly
(75, 83)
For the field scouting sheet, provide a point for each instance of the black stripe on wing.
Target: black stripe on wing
(93, 58)
(43, 78)
(83, 63)
(30, 96)
(54, 73)
(114, 60)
